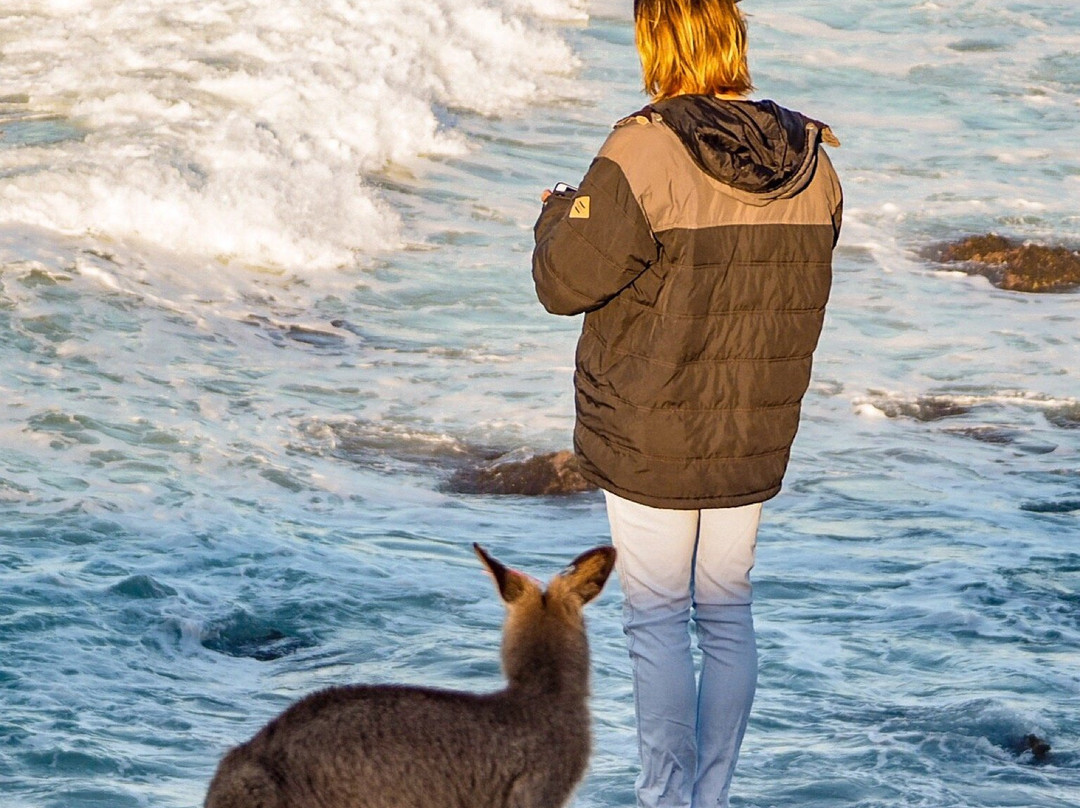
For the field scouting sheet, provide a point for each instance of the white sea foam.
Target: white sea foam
(936, 406)
(250, 130)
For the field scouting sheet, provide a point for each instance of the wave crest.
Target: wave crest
(250, 131)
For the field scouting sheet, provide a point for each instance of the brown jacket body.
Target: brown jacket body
(699, 245)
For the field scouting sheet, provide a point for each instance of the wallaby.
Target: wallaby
(392, 746)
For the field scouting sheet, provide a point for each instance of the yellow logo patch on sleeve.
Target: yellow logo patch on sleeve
(580, 208)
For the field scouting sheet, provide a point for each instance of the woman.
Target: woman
(699, 247)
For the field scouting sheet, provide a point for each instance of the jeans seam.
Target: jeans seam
(628, 619)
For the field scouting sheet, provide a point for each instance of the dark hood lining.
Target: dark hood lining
(754, 146)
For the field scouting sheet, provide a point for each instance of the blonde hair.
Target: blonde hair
(691, 46)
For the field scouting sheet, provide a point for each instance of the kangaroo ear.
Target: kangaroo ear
(511, 584)
(589, 572)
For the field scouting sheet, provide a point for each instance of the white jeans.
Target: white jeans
(674, 566)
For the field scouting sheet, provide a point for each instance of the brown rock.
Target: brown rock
(1039, 748)
(1013, 265)
(532, 475)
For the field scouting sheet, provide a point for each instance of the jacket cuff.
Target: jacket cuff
(555, 209)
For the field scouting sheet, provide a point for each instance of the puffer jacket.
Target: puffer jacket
(699, 246)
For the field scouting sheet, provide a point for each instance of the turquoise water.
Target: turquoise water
(223, 456)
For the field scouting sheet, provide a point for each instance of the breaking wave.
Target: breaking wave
(252, 131)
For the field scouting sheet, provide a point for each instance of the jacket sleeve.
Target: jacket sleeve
(837, 195)
(592, 245)
(837, 220)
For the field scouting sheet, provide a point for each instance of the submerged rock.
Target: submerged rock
(142, 587)
(525, 475)
(1004, 436)
(924, 408)
(1065, 415)
(1013, 265)
(242, 635)
(1039, 748)
(467, 468)
(309, 335)
(1052, 506)
(390, 446)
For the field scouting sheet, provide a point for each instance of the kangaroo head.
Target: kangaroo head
(544, 634)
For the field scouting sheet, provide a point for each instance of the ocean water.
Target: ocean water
(264, 284)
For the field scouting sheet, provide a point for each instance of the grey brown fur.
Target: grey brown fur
(374, 746)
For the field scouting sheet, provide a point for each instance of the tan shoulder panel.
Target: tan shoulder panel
(674, 193)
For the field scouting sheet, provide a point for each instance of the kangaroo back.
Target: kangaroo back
(391, 746)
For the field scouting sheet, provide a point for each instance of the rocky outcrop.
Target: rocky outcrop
(1012, 265)
(464, 467)
(1039, 748)
(524, 475)
(923, 408)
(1065, 415)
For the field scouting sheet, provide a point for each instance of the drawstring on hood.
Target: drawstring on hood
(757, 147)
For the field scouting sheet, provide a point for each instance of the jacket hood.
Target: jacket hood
(757, 147)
